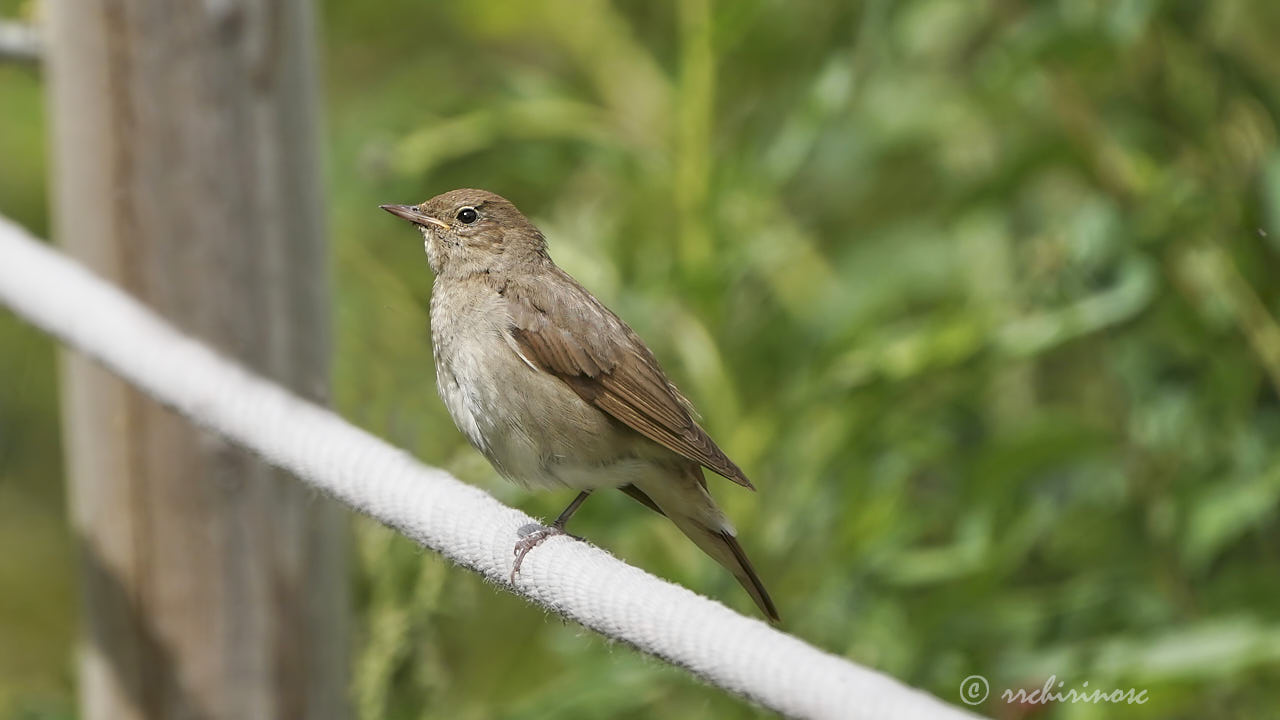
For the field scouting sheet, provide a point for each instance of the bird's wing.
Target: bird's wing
(560, 328)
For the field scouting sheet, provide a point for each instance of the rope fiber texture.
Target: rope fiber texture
(742, 655)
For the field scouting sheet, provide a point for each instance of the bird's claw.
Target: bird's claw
(529, 542)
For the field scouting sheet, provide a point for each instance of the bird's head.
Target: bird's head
(469, 231)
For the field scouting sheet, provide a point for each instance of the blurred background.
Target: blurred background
(981, 295)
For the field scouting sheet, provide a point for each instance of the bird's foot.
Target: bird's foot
(533, 540)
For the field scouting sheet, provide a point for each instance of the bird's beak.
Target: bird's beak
(413, 215)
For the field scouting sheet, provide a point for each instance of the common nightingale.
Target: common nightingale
(553, 388)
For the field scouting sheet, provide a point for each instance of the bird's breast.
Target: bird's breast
(529, 424)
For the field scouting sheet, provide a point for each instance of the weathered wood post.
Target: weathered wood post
(186, 170)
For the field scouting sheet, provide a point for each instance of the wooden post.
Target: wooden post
(186, 170)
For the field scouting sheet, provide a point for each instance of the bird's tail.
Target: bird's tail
(684, 499)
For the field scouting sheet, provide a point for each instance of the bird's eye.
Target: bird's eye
(467, 215)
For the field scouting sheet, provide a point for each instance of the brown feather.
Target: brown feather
(562, 329)
(638, 495)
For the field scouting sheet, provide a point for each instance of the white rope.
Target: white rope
(19, 42)
(739, 654)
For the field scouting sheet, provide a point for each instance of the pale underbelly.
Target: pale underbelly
(536, 431)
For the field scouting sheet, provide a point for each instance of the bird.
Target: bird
(554, 389)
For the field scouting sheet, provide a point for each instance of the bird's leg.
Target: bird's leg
(535, 538)
(563, 518)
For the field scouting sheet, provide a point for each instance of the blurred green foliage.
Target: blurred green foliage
(982, 296)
